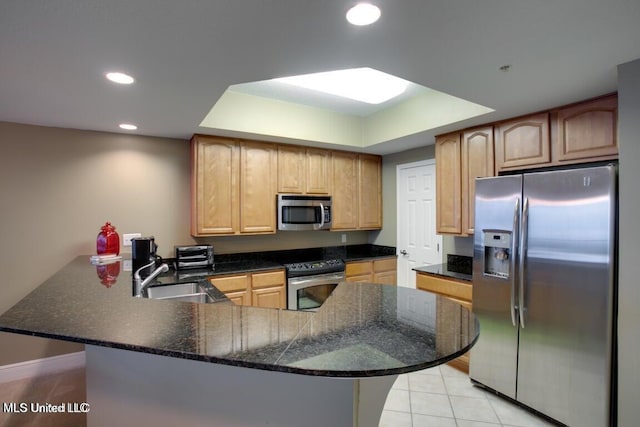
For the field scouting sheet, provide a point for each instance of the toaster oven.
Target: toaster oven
(194, 256)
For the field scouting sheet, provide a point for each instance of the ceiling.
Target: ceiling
(184, 55)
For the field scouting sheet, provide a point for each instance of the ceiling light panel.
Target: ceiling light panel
(360, 84)
(120, 78)
(363, 14)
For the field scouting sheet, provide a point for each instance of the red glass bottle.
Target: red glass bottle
(108, 241)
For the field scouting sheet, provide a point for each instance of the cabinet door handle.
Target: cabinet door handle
(403, 252)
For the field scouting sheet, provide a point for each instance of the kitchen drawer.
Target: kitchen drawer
(385, 264)
(267, 279)
(231, 283)
(453, 288)
(358, 268)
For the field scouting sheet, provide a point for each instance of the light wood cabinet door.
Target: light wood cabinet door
(448, 184)
(318, 171)
(258, 175)
(265, 289)
(385, 271)
(586, 131)
(477, 162)
(385, 278)
(291, 169)
(269, 297)
(451, 316)
(369, 192)
(344, 177)
(523, 142)
(359, 271)
(448, 314)
(456, 289)
(235, 287)
(382, 271)
(268, 289)
(239, 298)
(214, 186)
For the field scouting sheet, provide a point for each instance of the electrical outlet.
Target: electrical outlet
(126, 238)
(344, 237)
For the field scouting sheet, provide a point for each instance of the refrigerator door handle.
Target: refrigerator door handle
(522, 254)
(514, 246)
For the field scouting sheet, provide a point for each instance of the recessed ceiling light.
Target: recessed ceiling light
(363, 14)
(360, 84)
(121, 78)
(128, 126)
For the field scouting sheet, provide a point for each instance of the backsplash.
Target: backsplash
(460, 263)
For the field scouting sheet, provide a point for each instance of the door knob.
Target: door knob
(403, 252)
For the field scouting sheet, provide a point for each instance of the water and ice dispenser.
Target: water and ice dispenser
(497, 253)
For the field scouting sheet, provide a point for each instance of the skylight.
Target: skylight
(360, 84)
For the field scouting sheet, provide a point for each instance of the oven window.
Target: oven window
(312, 297)
(301, 214)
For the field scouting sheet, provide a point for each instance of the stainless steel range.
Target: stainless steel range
(309, 284)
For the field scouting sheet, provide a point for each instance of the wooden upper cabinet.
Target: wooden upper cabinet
(477, 162)
(369, 192)
(344, 177)
(523, 142)
(586, 130)
(318, 171)
(214, 186)
(356, 191)
(303, 170)
(258, 176)
(291, 169)
(448, 184)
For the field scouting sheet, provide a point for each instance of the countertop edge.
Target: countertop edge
(251, 365)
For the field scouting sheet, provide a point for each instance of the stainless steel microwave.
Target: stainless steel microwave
(304, 212)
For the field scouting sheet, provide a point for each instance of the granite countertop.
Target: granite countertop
(363, 329)
(249, 262)
(457, 267)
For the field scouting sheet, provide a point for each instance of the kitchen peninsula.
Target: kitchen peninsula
(170, 363)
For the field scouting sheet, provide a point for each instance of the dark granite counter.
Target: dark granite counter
(361, 330)
(457, 267)
(443, 270)
(251, 262)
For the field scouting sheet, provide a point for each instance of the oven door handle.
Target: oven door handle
(319, 279)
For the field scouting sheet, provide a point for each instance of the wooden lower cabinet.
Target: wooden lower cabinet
(269, 289)
(264, 289)
(235, 287)
(381, 271)
(448, 311)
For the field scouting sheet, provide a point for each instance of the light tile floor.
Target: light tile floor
(444, 397)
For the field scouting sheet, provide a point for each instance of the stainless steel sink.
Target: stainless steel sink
(199, 292)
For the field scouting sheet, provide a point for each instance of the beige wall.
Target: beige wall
(58, 186)
(628, 282)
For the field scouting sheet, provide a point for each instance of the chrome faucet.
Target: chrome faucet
(140, 285)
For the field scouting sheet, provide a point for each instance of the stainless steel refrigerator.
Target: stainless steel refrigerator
(544, 288)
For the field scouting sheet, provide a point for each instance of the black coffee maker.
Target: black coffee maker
(143, 252)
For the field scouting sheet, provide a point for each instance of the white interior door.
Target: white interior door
(417, 241)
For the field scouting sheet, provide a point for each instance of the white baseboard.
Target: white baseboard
(38, 367)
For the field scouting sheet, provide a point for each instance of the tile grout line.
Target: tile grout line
(444, 383)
